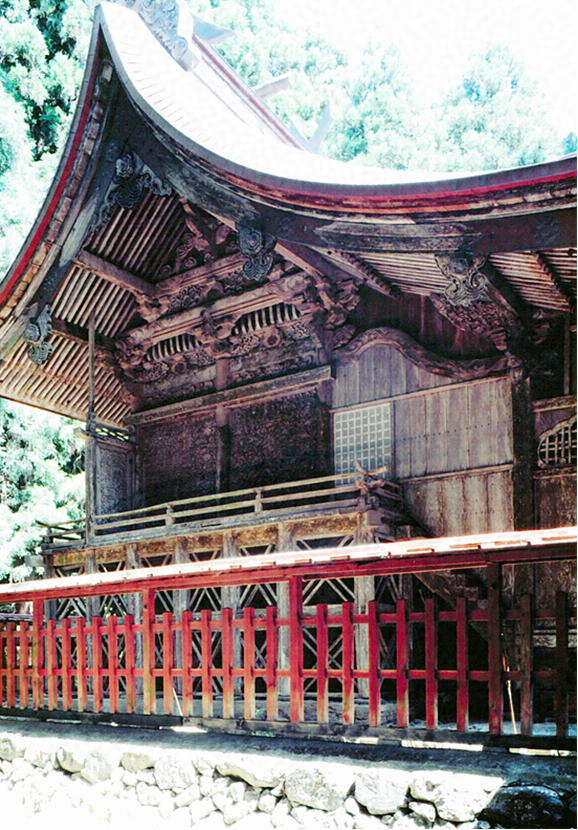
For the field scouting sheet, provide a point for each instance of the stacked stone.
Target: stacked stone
(182, 789)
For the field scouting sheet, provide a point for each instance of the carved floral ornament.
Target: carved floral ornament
(257, 246)
(130, 179)
(467, 284)
(37, 335)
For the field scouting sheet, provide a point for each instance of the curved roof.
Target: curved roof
(210, 141)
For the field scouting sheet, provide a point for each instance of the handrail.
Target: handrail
(247, 491)
(270, 498)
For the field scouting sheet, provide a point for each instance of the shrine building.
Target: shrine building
(328, 410)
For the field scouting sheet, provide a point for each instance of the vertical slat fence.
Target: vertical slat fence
(79, 665)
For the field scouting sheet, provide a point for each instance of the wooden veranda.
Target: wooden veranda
(418, 676)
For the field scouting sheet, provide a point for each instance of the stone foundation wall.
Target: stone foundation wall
(52, 782)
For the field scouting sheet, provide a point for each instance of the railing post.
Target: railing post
(463, 705)
(561, 664)
(249, 663)
(431, 665)
(495, 694)
(148, 648)
(526, 665)
(37, 681)
(374, 663)
(402, 680)
(296, 649)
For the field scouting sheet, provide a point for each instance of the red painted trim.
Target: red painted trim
(70, 155)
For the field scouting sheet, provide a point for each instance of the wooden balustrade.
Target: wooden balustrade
(323, 493)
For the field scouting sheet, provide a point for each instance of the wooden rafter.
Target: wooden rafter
(551, 275)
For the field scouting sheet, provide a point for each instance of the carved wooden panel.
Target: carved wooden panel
(283, 439)
(178, 458)
(114, 477)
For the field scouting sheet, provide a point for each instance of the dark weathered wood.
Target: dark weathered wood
(495, 690)
(526, 665)
(431, 665)
(562, 686)
(296, 649)
(462, 664)
(402, 667)
(322, 664)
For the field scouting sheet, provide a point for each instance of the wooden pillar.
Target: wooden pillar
(181, 603)
(91, 448)
(49, 605)
(134, 607)
(230, 598)
(364, 593)
(285, 542)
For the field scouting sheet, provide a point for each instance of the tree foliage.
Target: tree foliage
(41, 479)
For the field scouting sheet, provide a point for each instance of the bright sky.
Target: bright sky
(436, 37)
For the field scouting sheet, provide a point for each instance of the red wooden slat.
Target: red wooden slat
(495, 692)
(51, 666)
(148, 651)
(463, 702)
(206, 664)
(272, 657)
(228, 661)
(167, 663)
(66, 664)
(431, 665)
(96, 664)
(526, 665)
(402, 682)
(187, 662)
(112, 639)
(37, 661)
(297, 713)
(374, 662)
(561, 664)
(23, 665)
(80, 631)
(322, 665)
(129, 662)
(347, 664)
(11, 664)
(249, 663)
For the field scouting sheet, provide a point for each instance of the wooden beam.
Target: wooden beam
(115, 275)
(451, 553)
(80, 334)
(552, 276)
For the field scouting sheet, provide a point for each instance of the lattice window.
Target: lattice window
(364, 436)
(557, 447)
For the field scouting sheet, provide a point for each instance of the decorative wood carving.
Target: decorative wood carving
(420, 356)
(132, 176)
(162, 18)
(257, 246)
(468, 283)
(37, 335)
